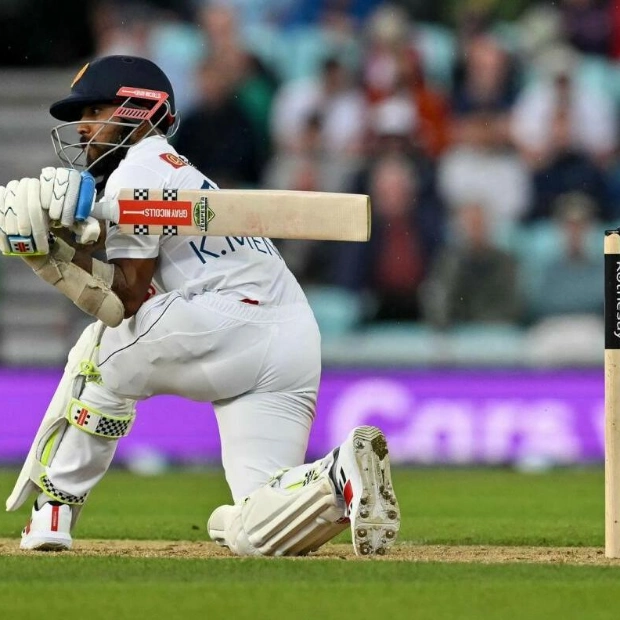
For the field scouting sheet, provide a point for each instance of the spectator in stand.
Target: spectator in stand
(393, 67)
(317, 123)
(566, 134)
(486, 77)
(432, 106)
(587, 25)
(407, 220)
(482, 166)
(388, 40)
(394, 130)
(569, 281)
(218, 23)
(123, 29)
(538, 28)
(398, 264)
(334, 97)
(485, 88)
(589, 113)
(567, 169)
(256, 89)
(566, 298)
(217, 134)
(255, 84)
(307, 170)
(472, 280)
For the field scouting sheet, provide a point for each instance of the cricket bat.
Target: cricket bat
(280, 214)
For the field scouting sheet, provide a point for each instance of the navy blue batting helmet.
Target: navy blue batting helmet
(99, 82)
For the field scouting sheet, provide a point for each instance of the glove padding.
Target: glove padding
(29, 207)
(24, 225)
(60, 190)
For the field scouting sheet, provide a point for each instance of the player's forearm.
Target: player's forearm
(126, 281)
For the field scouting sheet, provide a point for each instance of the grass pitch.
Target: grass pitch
(474, 544)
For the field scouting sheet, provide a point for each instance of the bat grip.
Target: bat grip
(105, 211)
(86, 196)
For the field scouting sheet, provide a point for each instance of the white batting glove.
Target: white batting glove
(86, 232)
(24, 224)
(29, 206)
(60, 189)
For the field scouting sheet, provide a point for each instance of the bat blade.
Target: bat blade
(280, 214)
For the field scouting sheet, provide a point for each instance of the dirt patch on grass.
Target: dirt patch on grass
(403, 552)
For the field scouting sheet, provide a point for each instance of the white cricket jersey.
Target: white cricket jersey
(238, 267)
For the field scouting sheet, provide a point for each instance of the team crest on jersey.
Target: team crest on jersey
(79, 74)
(203, 214)
(174, 160)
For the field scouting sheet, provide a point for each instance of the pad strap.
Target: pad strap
(97, 423)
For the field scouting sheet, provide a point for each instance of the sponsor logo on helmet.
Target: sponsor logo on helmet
(174, 160)
(142, 93)
(79, 74)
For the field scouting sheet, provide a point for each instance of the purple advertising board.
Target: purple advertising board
(429, 417)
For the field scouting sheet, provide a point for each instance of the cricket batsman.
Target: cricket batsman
(217, 320)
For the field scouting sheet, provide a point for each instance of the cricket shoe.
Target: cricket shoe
(49, 528)
(362, 474)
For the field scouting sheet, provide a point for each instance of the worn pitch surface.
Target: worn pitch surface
(482, 554)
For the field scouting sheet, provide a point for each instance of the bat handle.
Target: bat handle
(86, 205)
(105, 211)
(86, 196)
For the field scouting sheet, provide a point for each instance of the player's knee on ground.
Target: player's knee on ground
(273, 521)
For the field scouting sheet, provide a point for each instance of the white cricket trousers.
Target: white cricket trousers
(258, 365)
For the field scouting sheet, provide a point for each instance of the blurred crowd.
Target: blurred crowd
(489, 147)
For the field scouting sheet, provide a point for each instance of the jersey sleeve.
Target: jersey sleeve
(119, 245)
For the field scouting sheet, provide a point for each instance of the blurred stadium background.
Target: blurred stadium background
(486, 133)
